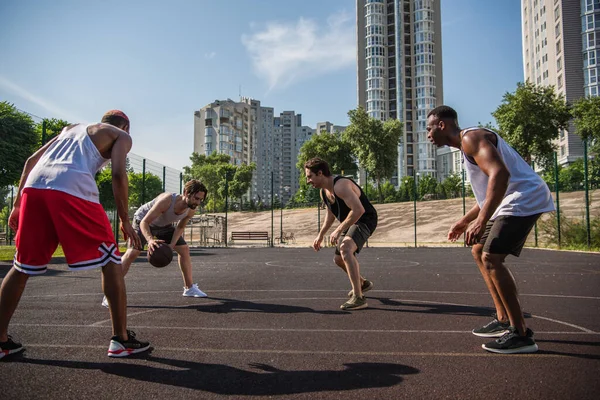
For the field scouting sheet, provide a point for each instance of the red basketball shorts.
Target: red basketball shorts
(49, 217)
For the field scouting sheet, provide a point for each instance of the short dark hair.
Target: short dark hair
(115, 118)
(444, 112)
(317, 164)
(194, 186)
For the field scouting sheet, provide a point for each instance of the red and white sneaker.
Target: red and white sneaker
(124, 348)
(10, 347)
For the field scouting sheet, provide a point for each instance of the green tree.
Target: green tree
(453, 185)
(427, 186)
(242, 179)
(530, 118)
(375, 144)
(585, 113)
(211, 171)
(54, 126)
(151, 187)
(331, 148)
(17, 142)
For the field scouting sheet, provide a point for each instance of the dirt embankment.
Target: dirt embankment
(396, 220)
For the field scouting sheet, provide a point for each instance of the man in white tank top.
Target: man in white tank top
(154, 221)
(57, 203)
(510, 198)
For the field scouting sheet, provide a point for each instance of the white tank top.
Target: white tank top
(167, 218)
(69, 165)
(527, 193)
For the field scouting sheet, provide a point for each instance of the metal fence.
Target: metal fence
(417, 222)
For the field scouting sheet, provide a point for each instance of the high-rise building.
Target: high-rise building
(224, 126)
(400, 72)
(263, 149)
(561, 47)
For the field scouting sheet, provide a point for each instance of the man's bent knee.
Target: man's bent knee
(477, 252)
(493, 261)
(347, 249)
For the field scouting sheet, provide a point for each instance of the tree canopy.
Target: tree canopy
(18, 141)
(213, 170)
(375, 144)
(530, 118)
(587, 124)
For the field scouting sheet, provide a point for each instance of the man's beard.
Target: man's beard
(192, 206)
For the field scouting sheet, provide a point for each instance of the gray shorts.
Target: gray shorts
(507, 234)
(160, 232)
(359, 232)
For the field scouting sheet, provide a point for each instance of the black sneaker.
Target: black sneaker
(513, 343)
(10, 347)
(365, 287)
(495, 328)
(124, 348)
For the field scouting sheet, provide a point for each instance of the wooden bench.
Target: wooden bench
(250, 236)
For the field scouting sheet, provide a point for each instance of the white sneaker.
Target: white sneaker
(105, 302)
(193, 291)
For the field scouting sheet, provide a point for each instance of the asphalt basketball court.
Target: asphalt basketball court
(272, 327)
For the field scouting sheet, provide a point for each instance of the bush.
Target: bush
(573, 231)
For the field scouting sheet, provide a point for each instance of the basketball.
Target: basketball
(161, 256)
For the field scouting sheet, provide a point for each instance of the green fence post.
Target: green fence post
(557, 199)
(226, 203)
(464, 203)
(43, 132)
(535, 227)
(9, 232)
(180, 182)
(272, 216)
(415, 205)
(143, 180)
(587, 198)
(164, 177)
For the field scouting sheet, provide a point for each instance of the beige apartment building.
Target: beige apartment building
(561, 45)
(399, 69)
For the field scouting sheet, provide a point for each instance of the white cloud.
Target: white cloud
(210, 55)
(285, 53)
(53, 110)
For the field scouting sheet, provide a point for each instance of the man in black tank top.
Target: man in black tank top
(345, 201)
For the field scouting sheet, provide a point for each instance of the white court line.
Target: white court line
(313, 352)
(128, 315)
(299, 330)
(558, 296)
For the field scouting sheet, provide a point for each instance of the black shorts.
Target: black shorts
(359, 232)
(507, 234)
(159, 232)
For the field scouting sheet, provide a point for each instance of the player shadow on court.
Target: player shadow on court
(262, 380)
(568, 342)
(432, 308)
(235, 305)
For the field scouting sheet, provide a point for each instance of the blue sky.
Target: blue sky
(160, 61)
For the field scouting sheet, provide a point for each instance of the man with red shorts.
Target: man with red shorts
(58, 202)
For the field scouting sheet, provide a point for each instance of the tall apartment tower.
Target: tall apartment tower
(263, 149)
(561, 46)
(224, 126)
(400, 72)
(288, 129)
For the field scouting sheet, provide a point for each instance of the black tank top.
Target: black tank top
(341, 210)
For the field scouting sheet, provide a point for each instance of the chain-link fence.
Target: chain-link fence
(420, 221)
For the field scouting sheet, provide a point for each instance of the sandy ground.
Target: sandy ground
(396, 220)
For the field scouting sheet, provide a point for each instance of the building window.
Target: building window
(558, 64)
(558, 47)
